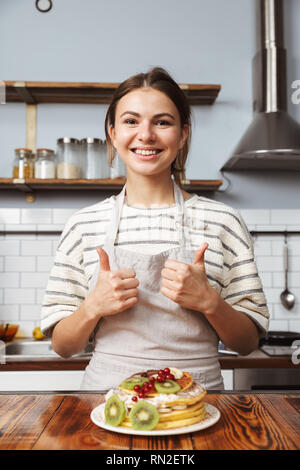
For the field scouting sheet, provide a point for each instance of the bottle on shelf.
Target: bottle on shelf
(23, 166)
(68, 158)
(118, 168)
(45, 164)
(94, 158)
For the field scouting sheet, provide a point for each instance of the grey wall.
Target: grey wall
(197, 41)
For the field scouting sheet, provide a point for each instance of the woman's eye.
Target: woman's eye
(130, 121)
(161, 122)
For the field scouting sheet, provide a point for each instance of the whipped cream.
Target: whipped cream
(159, 401)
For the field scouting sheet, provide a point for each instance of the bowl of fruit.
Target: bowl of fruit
(8, 331)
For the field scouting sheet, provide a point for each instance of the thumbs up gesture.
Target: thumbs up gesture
(115, 291)
(187, 284)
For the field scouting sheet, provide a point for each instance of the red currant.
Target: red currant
(160, 379)
(152, 380)
(134, 398)
(142, 395)
(136, 388)
(167, 370)
(170, 376)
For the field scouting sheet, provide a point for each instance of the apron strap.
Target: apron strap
(115, 220)
(184, 241)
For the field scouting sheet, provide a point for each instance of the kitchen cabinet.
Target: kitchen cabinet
(228, 379)
(34, 93)
(41, 380)
(267, 379)
(56, 380)
(233, 369)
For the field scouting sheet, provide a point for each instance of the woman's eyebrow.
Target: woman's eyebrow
(155, 115)
(164, 114)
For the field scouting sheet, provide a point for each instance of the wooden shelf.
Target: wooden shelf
(33, 93)
(30, 185)
(77, 92)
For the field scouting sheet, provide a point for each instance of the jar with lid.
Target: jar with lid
(31, 165)
(23, 166)
(45, 165)
(94, 158)
(118, 168)
(69, 164)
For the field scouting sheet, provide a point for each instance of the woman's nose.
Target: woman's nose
(146, 132)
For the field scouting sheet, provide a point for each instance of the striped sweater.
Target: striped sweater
(229, 258)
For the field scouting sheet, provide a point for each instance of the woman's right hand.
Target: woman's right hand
(114, 291)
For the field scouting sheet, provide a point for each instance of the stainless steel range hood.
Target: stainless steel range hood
(272, 141)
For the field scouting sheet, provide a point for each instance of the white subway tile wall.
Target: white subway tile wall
(26, 257)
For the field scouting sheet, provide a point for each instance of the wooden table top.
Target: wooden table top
(56, 421)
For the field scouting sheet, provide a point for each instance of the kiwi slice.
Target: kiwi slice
(167, 386)
(132, 381)
(114, 411)
(143, 416)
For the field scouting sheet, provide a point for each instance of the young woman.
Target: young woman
(156, 276)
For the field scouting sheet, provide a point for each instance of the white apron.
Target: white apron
(156, 332)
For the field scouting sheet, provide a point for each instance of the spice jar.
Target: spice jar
(69, 158)
(94, 158)
(45, 165)
(23, 166)
(31, 164)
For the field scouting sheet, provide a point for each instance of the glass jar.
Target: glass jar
(23, 166)
(69, 164)
(94, 158)
(31, 165)
(45, 164)
(118, 168)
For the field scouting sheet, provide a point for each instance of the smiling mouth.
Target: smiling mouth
(146, 152)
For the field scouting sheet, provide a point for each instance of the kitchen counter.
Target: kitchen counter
(257, 359)
(55, 421)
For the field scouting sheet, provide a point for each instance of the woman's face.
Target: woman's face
(147, 133)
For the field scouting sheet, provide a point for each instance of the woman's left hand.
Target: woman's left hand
(187, 284)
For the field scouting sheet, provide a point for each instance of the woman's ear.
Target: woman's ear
(112, 134)
(184, 135)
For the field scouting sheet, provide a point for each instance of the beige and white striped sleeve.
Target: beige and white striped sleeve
(243, 288)
(66, 290)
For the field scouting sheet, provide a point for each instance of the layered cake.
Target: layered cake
(156, 399)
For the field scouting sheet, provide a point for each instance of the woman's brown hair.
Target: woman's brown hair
(160, 80)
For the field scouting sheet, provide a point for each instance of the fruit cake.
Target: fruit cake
(156, 399)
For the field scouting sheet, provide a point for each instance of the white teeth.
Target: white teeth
(146, 152)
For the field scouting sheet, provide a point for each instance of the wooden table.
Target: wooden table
(56, 421)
